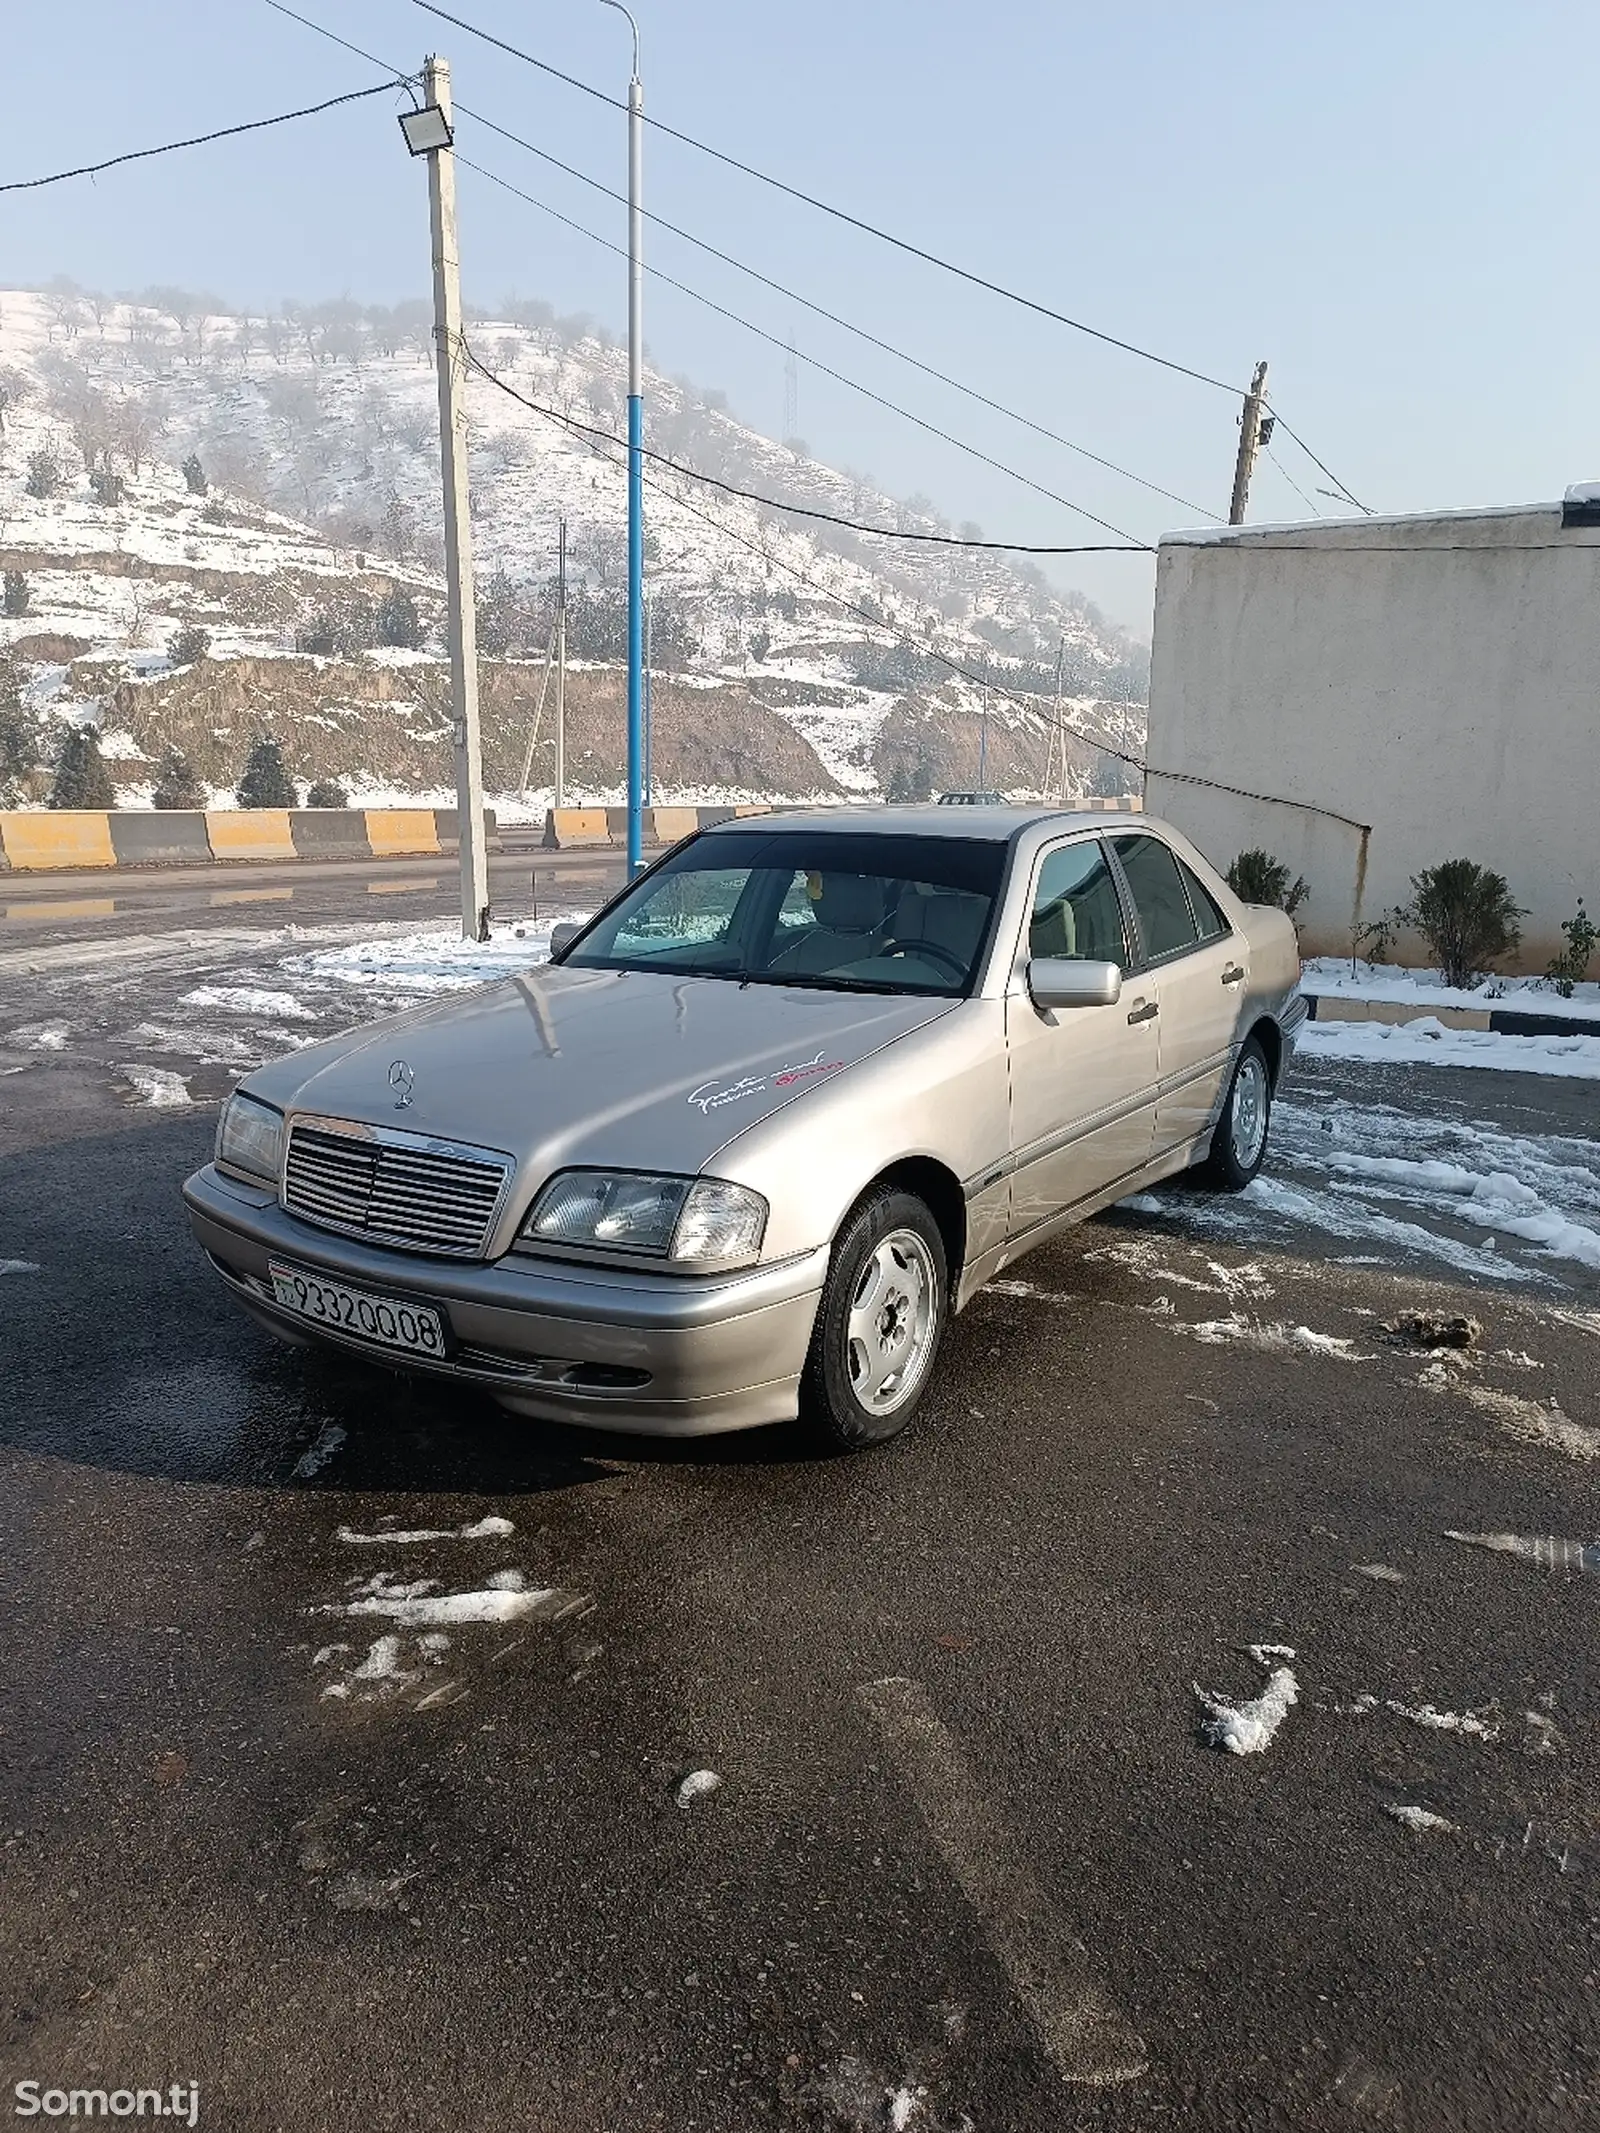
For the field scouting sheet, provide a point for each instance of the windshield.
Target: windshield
(824, 908)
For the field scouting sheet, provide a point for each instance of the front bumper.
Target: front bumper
(665, 1355)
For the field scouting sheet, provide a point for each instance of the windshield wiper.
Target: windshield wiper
(820, 983)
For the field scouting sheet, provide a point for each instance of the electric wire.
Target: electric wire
(871, 229)
(1314, 508)
(773, 503)
(839, 377)
(199, 140)
(766, 281)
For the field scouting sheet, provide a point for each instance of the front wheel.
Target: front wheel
(1240, 1141)
(879, 1324)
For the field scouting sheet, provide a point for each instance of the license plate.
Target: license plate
(383, 1320)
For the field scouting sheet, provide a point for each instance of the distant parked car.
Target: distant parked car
(972, 799)
(762, 1125)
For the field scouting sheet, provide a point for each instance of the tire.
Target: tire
(879, 1325)
(1239, 1144)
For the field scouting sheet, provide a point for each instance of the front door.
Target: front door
(1083, 1079)
(1202, 967)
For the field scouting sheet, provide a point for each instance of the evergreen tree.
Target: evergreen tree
(44, 473)
(195, 475)
(176, 783)
(327, 792)
(266, 783)
(191, 643)
(82, 779)
(16, 593)
(399, 622)
(19, 739)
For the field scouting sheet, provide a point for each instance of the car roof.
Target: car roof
(988, 825)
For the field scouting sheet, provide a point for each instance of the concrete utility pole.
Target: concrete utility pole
(1249, 441)
(428, 132)
(561, 671)
(635, 451)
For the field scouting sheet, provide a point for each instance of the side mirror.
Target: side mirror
(1056, 981)
(564, 935)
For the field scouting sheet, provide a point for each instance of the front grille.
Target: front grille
(423, 1196)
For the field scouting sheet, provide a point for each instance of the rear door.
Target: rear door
(1083, 1079)
(1201, 966)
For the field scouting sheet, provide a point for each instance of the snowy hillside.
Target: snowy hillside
(310, 497)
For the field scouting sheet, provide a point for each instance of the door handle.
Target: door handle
(1234, 974)
(1146, 1013)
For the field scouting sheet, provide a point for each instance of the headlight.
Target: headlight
(250, 1139)
(692, 1219)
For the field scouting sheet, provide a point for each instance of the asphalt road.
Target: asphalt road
(248, 1843)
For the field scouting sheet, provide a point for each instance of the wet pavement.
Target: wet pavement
(278, 1818)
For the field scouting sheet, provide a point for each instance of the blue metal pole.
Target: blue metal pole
(649, 760)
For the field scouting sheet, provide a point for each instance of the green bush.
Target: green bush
(1258, 877)
(1466, 915)
(1571, 967)
(190, 644)
(266, 783)
(176, 783)
(327, 792)
(82, 779)
(18, 599)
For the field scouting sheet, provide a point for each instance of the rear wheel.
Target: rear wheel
(879, 1324)
(1240, 1141)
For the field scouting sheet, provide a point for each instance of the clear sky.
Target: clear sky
(1393, 203)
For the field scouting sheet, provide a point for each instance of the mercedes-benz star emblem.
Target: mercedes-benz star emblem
(402, 1081)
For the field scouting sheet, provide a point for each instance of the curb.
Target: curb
(37, 841)
(1503, 1021)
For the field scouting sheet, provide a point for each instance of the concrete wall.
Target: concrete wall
(1438, 678)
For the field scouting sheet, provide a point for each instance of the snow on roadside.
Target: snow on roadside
(413, 1610)
(1269, 1337)
(1419, 1821)
(19, 1266)
(484, 1529)
(1426, 1042)
(434, 959)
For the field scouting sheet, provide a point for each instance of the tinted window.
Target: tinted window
(1075, 909)
(821, 908)
(1166, 924)
(1207, 911)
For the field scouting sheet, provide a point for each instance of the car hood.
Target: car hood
(625, 1068)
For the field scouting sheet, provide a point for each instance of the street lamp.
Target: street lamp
(635, 449)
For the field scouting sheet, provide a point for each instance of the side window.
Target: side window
(1075, 908)
(1166, 924)
(1207, 912)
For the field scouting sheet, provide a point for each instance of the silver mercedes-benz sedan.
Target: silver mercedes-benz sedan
(754, 1133)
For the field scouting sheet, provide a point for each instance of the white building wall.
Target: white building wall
(1437, 678)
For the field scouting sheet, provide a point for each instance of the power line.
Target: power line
(826, 370)
(199, 140)
(871, 229)
(1316, 509)
(766, 281)
(773, 503)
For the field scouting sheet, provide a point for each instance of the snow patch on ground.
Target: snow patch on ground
(449, 1609)
(1420, 1821)
(1340, 977)
(484, 1529)
(250, 1000)
(1250, 1728)
(19, 1266)
(698, 1785)
(436, 959)
(158, 1086)
(1546, 1427)
(312, 1461)
(1469, 1724)
(1270, 1337)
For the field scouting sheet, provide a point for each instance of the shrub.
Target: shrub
(1571, 967)
(1258, 877)
(17, 597)
(1466, 915)
(176, 783)
(760, 645)
(19, 734)
(44, 473)
(266, 783)
(82, 779)
(1377, 935)
(337, 632)
(327, 792)
(190, 644)
(195, 475)
(398, 621)
(107, 488)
